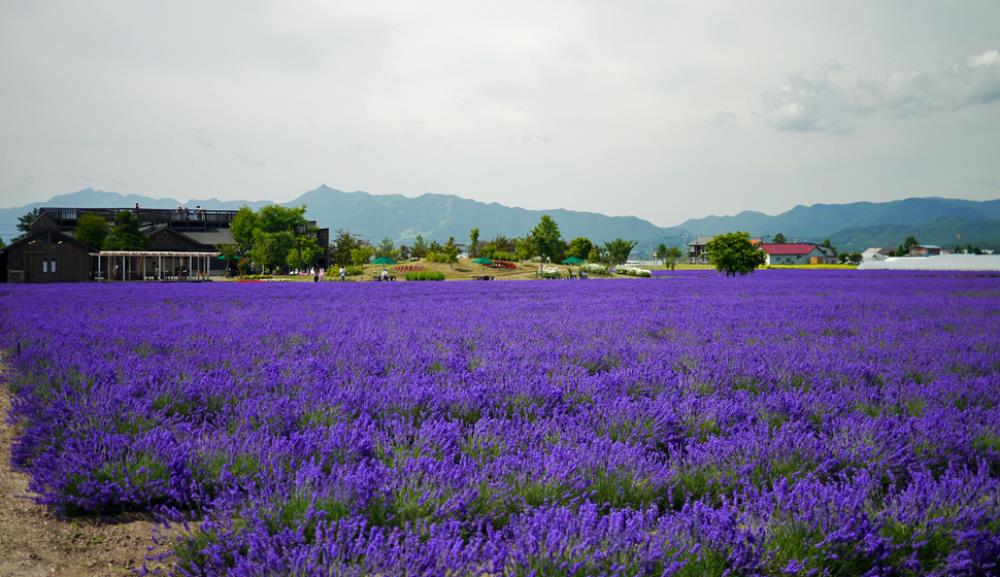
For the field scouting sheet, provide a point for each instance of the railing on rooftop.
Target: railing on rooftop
(180, 218)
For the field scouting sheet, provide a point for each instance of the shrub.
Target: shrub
(353, 270)
(593, 268)
(425, 275)
(550, 272)
(503, 255)
(634, 271)
(436, 257)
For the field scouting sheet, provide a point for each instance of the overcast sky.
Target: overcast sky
(664, 110)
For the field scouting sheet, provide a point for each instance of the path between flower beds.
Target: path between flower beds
(34, 542)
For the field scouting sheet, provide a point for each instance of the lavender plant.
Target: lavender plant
(829, 423)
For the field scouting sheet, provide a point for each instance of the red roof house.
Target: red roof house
(797, 253)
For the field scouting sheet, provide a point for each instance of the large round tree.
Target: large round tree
(733, 254)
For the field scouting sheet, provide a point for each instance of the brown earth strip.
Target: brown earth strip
(36, 543)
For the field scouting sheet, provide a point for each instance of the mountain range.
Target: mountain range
(851, 227)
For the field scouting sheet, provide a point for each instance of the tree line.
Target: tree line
(544, 242)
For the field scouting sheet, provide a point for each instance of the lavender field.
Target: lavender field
(787, 423)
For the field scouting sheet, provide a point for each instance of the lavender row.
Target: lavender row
(787, 423)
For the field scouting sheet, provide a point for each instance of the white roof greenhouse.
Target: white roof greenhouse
(981, 262)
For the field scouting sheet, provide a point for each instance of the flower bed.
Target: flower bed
(502, 264)
(633, 271)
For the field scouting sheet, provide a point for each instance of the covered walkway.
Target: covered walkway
(137, 265)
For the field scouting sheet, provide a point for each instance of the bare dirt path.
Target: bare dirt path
(34, 542)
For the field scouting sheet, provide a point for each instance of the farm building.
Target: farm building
(49, 256)
(925, 250)
(181, 243)
(698, 249)
(797, 253)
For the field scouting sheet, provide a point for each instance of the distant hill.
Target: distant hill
(947, 232)
(438, 216)
(853, 226)
(859, 225)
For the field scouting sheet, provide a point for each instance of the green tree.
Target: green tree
(271, 249)
(661, 253)
(361, 255)
(91, 229)
(733, 254)
(343, 244)
(618, 250)
(547, 240)
(598, 254)
(404, 252)
(419, 249)
(276, 236)
(525, 248)
(230, 254)
(856, 258)
(579, 247)
(779, 239)
(244, 222)
(501, 243)
(125, 234)
(386, 248)
(2, 243)
(671, 256)
(450, 251)
(25, 221)
(304, 254)
(277, 218)
(904, 249)
(474, 243)
(843, 257)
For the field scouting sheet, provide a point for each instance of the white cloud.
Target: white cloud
(821, 102)
(984, 60)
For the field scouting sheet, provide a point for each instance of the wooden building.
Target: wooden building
(48, 256)
(179, 243)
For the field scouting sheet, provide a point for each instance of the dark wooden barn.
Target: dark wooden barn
(47, 256)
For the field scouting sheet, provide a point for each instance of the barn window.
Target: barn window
(45, 265)
(52, 267)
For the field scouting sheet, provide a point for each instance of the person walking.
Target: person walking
(343, 273)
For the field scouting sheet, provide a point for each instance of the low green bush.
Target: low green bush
(353, 270)
(255, 277)
(425, 275)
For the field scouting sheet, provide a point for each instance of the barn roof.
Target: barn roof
(53, 235)
(791, 248)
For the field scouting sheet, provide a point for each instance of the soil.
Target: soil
(34, 542)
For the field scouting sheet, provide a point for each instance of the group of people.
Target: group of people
(319, 273)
